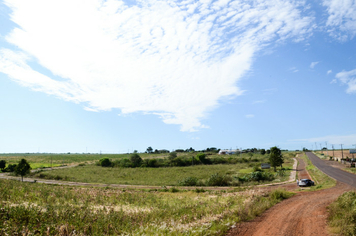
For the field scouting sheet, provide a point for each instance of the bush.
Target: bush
(10, 168)
(190, 181)
(342, 213)
(218, 180)
(259, 176)
(105, 162)
(2, 165)
(202, 158)
(172, 155)
(152, 163)
(136, 160)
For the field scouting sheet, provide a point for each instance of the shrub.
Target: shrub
(152, 163)
(256, 168)
(218, 180)
(105, 162)
(342, 213)
(136, 160)
(10, 168)
(259, 176)
(202, 158)
(172, 155)
(178, 162)
(2, 165)
(189, 181)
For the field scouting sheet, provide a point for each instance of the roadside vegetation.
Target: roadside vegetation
(321, 180)
(39, 209)
(342, 214)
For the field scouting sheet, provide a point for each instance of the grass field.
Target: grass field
(38, 209)
(156, 176)
(146, 176)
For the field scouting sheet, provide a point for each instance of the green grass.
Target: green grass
(38, 209)
(152, 176)
(140, 176)
(342, 214)
(322, 181)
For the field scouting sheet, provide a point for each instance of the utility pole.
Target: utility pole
(326, 143)
(342, 153)
(333, 150)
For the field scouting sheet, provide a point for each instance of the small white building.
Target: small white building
(228, 151)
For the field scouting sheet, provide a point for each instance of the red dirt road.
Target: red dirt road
(302, 214)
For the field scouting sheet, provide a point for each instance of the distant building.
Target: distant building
(228, 151)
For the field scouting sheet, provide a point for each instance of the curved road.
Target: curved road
(335, 173)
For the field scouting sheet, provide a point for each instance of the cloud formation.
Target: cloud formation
(348, 78)
(177, 60)
(341, 22)
(313, 64)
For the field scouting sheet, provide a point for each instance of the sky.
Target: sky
(121, 75)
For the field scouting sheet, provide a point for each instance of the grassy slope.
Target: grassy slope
(53, 210)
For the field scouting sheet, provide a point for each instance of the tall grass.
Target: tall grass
(28, 208)
(342, 214)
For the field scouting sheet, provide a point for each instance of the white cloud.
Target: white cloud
(294, 69)
(329, 72)
(342, 18)
(174, 59)
(250, 116)
(348, 78)
(313, 64)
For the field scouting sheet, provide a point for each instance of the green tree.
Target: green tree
(23, 168)
(263, 151)
(2, 165)
(149, 150)
(172, 155)
(136, 160)
(276, 158)
(105, 162)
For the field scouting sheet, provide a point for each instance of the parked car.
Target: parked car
(305, 183)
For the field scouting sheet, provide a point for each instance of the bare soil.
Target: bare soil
(338, 153)
(303, 214)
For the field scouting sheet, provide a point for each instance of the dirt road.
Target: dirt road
(302, 214)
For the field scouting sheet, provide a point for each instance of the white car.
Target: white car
(305, 183)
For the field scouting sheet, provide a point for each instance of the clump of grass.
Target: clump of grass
(342, 214)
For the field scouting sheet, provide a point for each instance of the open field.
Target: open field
(161, 176)
(150, 176)
(337, 153)
(29, 208)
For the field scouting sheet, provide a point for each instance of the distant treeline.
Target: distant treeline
(173, 160)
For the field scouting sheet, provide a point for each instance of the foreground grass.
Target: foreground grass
(322, 181)
(342, 214)
(28, 208)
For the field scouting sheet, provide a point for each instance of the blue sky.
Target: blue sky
(117, 76)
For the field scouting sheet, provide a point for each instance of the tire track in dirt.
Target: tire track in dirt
(302, 214)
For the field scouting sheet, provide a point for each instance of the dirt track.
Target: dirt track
(302, 214)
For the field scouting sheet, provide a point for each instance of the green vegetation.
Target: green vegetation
(23, 168)
(322, 181)
(236, 174)
(38, 209)
(342, 214)
(276, 158)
